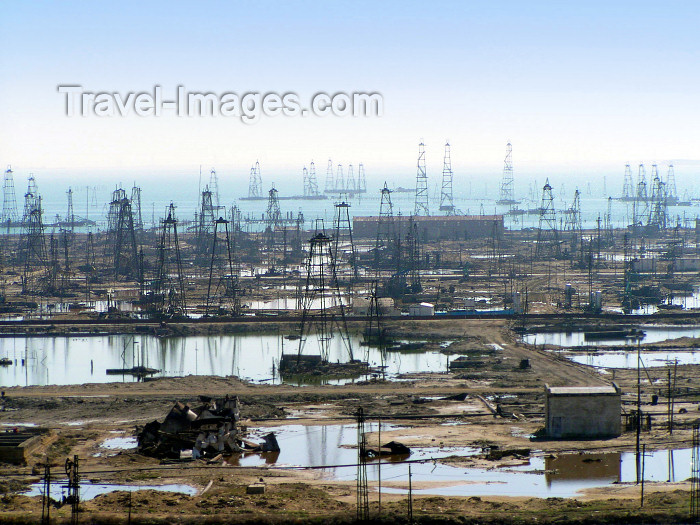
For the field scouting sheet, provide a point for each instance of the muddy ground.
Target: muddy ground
(80, 417)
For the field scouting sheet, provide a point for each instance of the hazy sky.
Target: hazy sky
(576, 86)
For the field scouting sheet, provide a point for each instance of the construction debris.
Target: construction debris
(210, 431)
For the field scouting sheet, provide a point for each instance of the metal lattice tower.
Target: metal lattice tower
(413, 256)
(361, 180)
(305, 180)
(330, 178)
(255, 190)
(207, 216)
(339, 184)
(421, 205)
(273, 219)
(312, 190)
(573, 223)
(169, 284)
(628, 186)
(323, 311)
(70, 215)
(446, 200)
(640, 206)
(136, 207)
(9, 203)
(33, 242)
(342, 240)
(362, 487)
(547, 234)
(384, 248)
(350, 184)
(214, 187)
(226, 290)
(507, 193)
(657, 212)
(671, 191)
(121, 236)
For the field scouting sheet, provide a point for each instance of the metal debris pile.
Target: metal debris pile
(209, 430)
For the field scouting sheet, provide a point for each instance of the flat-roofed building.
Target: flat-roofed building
(583, 411)
(435, 227)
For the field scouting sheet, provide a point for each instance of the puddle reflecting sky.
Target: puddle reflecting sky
(89, 490)
(562, 475)
(654, 334)
(74, 359)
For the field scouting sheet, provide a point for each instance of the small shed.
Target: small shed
(422, 310)
(583, 411)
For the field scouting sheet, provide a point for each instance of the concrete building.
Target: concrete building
(421, 310)
(436, 227)
(362, 305)
(583, 412)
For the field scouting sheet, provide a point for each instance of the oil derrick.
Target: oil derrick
(413, 256)
(494, 253)
(330, 178)
(136, 208)
(33, 243)
(342, 240)
(121, 236)
(361, 180)
(339, 184)
(507, 193)
(385, 246)
(205, 226)
(54, 266)
(608, 225)
(350, 185)
(9, 202)
(640, 206)
(169, 285)
(305, 178)
(658, 208)
(214, 187)
(273, 218)
(296, 242)
(70, 215)
(547, 235)
(225, 295)
(255, 190)
(375, 333)
(671, 191)
(311, 186)
(573, 225)
(421, 204)
(628, 192)
(323, 312)
(66, 240)
(446, 200)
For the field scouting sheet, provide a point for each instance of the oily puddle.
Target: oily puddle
(629, 359)
(652, 334)
(89, 490)
(330, 450)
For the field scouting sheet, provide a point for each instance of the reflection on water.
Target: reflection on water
(629, 359)
(600, 468)
(653, 334)
(563, 475)
(54, 360)
(88, 490)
